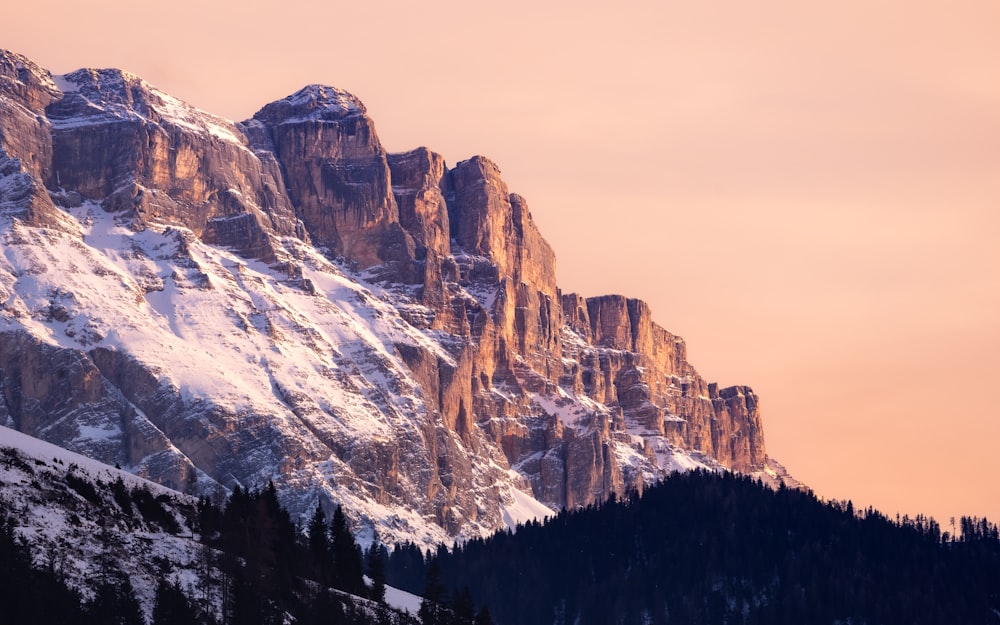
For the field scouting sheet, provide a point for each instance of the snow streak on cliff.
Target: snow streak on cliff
(212, 304)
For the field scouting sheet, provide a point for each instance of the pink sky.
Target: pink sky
(809, 195)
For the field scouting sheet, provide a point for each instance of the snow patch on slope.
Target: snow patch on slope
(239, 341)
(519, 507)
(110, 95)
(39, 449)
(69, 534)
(402, 600)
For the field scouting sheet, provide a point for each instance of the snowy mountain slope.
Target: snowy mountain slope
(85, 520)
(63, 506)
(211, 304)
(231, 342)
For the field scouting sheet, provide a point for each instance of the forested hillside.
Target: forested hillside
(697, 548)
(707, 548)
(257, 569)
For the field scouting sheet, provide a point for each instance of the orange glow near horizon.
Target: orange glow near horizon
(810, 195)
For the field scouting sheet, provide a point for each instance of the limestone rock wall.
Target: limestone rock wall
(24, 135)
(486, 220)
(336, 173)
(26, 141)
(119, 141)
(420, 182)
(581, 397)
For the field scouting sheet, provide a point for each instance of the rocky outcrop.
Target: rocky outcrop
(25, 141)
(629, 361)
(486, 220)
(120, 141)
(214, 304)
(420, 184)
(60, 394)
(51, 392)
(27, 90)
(336, 173)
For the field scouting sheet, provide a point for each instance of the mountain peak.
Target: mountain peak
(312, 103)
(378, 331)
(108, 79)
(22, 78)
(100, 95)
(23, 66)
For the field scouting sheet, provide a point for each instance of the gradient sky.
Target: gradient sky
(809, 193)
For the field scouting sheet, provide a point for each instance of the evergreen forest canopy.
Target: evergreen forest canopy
(704, 548)
(699, 548)
(259, 569)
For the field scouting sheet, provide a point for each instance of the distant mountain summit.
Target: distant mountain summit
(312, 103)
(211, 304)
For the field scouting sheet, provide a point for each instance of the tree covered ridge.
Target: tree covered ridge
(697, 548)
(723, 549)
(259, 568)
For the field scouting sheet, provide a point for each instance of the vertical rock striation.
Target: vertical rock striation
(336, 173)
(26, 141)
(213, 304)
(138, 151)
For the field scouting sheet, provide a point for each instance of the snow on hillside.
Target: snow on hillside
(402, 600)
(61, 503)
(222, 332)
(40, 450)
(523, 508)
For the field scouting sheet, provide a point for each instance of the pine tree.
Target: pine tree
(348, 571)
(376, 571)
(463, 610)
(248, 606)
(172, 607)
(405, 568)
(15, 566)
(115, 604)
(208, 564)
(484, 618)
(280, 534)
(432, 610)
(319, 545)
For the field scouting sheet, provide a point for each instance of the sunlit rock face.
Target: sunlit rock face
(119, 141)
(336, 173)
(212, 304)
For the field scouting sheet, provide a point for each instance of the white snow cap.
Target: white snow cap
(312, 103)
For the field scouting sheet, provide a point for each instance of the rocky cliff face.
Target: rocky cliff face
(335, 171)
(212, 304)
(26, 141)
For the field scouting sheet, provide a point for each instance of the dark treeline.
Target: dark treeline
(29, 595)
(713, 549)
(271, 570)
(698, 548)
(258, 568)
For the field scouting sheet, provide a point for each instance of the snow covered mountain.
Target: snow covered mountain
(79, 515)
(86, 522)
(210, 304)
